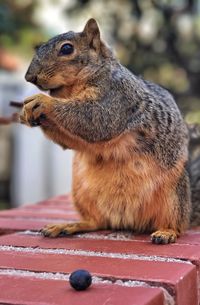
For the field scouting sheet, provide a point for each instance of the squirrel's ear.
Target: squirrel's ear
(92, 32)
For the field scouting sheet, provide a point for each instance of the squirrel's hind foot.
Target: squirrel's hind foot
(64, 229)
(164, 237)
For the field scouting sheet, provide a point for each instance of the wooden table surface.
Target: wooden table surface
(126, 268)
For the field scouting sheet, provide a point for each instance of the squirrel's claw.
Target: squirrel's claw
(54, 230)
(163, 237)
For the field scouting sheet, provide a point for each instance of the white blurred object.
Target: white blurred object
(50, 15)
(39, 168)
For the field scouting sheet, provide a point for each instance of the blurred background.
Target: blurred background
(159, 40)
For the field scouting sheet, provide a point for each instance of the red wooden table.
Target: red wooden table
(126, 268)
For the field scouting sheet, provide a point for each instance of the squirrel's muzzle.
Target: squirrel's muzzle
(31, 78)
(33, 71)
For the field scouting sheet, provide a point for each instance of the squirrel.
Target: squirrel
(129, 138)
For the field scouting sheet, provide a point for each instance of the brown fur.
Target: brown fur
(114, 176)
(115, 183)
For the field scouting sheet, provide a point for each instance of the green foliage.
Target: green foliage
(193, 117)
(18, 28)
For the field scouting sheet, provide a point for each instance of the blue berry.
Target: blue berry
(80, 279)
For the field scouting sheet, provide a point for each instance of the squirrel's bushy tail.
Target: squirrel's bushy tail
(194, 172)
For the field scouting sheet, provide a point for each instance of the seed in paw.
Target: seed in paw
(80, 279)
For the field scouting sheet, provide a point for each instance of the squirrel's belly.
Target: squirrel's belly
(121, 194)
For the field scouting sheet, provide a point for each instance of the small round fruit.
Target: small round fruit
(80, 279)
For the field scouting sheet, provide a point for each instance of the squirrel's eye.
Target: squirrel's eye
(66, 49)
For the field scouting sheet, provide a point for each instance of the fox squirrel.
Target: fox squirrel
(130, 141)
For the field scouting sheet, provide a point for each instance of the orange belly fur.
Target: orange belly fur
(132, 194)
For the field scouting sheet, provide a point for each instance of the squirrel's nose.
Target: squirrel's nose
(31, 78)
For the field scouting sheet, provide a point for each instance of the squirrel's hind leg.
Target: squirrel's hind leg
(63, 229)
(177, 212)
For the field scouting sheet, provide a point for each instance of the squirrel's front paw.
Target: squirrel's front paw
(36, 110)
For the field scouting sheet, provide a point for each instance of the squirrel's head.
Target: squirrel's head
(68, 58)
